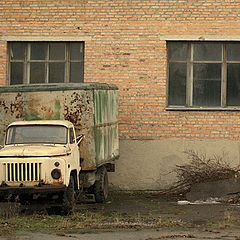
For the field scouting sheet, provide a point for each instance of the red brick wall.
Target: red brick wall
(3, 62)
(125, 50)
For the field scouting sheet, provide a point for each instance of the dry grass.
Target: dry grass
(82, 221)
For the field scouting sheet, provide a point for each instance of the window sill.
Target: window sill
(178, 108)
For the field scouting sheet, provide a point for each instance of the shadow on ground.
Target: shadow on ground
(124, 211)
(153, 205)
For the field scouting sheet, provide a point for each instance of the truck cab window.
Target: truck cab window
(72, 137)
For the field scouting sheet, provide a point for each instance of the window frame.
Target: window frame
(189, 77)
(27, 61)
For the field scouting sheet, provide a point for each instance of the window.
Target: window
(45, 62)
(72, 137)
(46, 134)
(204, 74)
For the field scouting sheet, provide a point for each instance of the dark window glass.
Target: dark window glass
(177, 51)
(36, 134)
(17, 51)
(203, 72)
(56, 72)
(207, 52)
(177, 83)
(233, 84)
(45, 62)
(76, 72)
(16, 73)
(37, 73)
(76, 51)
(57, 51)
(233, 52)
(207, 84)
(38, 51)
(72, 139)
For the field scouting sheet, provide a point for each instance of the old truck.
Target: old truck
(59, 141)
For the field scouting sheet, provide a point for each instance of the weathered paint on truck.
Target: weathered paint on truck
(91, 107)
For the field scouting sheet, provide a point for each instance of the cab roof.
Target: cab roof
(42, 122)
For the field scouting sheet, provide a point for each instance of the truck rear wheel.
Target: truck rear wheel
(69, 197)
(101, 185)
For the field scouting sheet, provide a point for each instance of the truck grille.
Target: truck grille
(20, 172)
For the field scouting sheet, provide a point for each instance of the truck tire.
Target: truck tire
(101, 185)
(69, 197)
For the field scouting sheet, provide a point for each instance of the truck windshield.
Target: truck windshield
(45, 134)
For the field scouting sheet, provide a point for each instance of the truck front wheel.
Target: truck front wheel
(101, 185)
(69, 197)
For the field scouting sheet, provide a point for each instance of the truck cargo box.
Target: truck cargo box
(91, 107)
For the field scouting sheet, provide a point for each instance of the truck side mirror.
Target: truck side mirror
(79, 139)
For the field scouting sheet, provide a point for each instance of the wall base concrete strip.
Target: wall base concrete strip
(150, 164)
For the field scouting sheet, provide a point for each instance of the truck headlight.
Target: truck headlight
(56, 173)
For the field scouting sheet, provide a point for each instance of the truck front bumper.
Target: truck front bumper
(45, 189)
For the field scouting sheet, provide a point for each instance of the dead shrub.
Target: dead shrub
(204, 169)
(200, 168)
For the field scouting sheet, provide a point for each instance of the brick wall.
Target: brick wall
(3, 62)
(125, 49)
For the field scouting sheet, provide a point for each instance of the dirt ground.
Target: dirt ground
(137, 235)
(127, 215)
